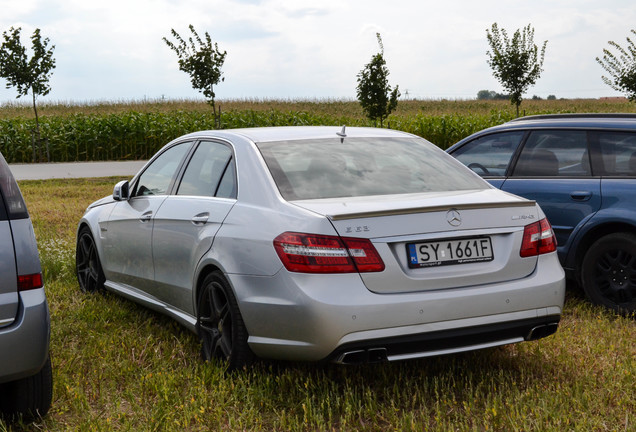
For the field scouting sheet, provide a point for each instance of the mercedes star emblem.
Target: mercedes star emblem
(454, 218)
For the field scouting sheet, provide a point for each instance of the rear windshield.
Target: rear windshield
(329, 168)
(11, 202)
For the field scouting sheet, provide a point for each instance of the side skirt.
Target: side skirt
(153, 303)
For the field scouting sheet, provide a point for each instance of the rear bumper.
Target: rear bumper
(24, 345)
(316, 317)
(427, 344)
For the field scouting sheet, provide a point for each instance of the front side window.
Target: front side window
(554, 154)
(329, 168)
(489, 155)
(156, 179)
(206, 169)
(618, 154)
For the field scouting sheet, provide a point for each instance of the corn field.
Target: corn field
(136, 131)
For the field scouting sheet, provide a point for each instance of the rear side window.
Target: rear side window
(208, 172)
(618, 154)
(489, 155)
(554, 154)
(331, 168)
(12, 204)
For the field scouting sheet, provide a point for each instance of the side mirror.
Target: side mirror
(121, 192)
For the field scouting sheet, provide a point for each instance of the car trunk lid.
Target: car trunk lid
(14, 219)
(488, 224)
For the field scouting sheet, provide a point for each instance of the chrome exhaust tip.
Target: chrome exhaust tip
(372, 355)
(542, 331)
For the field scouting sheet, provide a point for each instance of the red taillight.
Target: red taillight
(29, 282)
(314, 253)
(538, 239)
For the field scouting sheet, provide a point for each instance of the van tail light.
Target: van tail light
(29, 282)
(538, 238)
(314, 253)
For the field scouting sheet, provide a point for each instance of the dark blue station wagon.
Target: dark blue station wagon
(581, 169)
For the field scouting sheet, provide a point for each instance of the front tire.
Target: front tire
(87, 264)
(220, 325)
(609, 272)
(29, 397)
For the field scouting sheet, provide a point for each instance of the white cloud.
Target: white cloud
(302, 49)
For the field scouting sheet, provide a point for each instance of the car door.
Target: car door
(553, 168)
(187, 221)
(615, 161)
(127, 236)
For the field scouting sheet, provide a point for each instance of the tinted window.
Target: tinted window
(489, 155)
(156, 179)
(618, 153)
(554, 153)
(227, 188)
(329, 168)
(205, 170)
(13, 205)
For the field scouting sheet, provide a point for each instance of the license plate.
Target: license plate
(449, 252)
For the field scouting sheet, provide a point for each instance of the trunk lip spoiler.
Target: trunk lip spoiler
(429, 209)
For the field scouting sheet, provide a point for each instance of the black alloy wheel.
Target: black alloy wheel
(609, 272)
(220, 325)
(88, 267)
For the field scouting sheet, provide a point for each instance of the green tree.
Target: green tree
(374, 92)
(517, 63)
(490, 95)
(203, 62)
(28, 74)
(621, 68)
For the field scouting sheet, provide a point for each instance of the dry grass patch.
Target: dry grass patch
(118, 366)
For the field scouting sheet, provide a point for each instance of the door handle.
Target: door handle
(201, 218)
(146, 216)
(581, 195)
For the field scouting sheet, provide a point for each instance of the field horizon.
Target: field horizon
(340, 106)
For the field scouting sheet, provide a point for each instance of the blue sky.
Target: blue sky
(286, 49)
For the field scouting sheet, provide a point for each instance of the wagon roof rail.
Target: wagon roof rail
(576, 115)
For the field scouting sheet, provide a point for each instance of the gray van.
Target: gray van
(26, 383)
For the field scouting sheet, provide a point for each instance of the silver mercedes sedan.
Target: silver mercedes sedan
(348, 245)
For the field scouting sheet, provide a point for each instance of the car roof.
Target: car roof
(288, 133)
(587, 121)
(582, 120)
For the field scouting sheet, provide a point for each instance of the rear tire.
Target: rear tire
(87, 264)
(609, 272)
(29, 397)
(220, 325)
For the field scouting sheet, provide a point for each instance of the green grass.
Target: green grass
(118, 366)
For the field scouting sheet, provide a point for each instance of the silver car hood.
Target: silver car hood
(389, 205)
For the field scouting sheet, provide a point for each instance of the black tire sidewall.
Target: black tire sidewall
(30, 397)
(611, 242)
(241, 354)
(85, 231)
